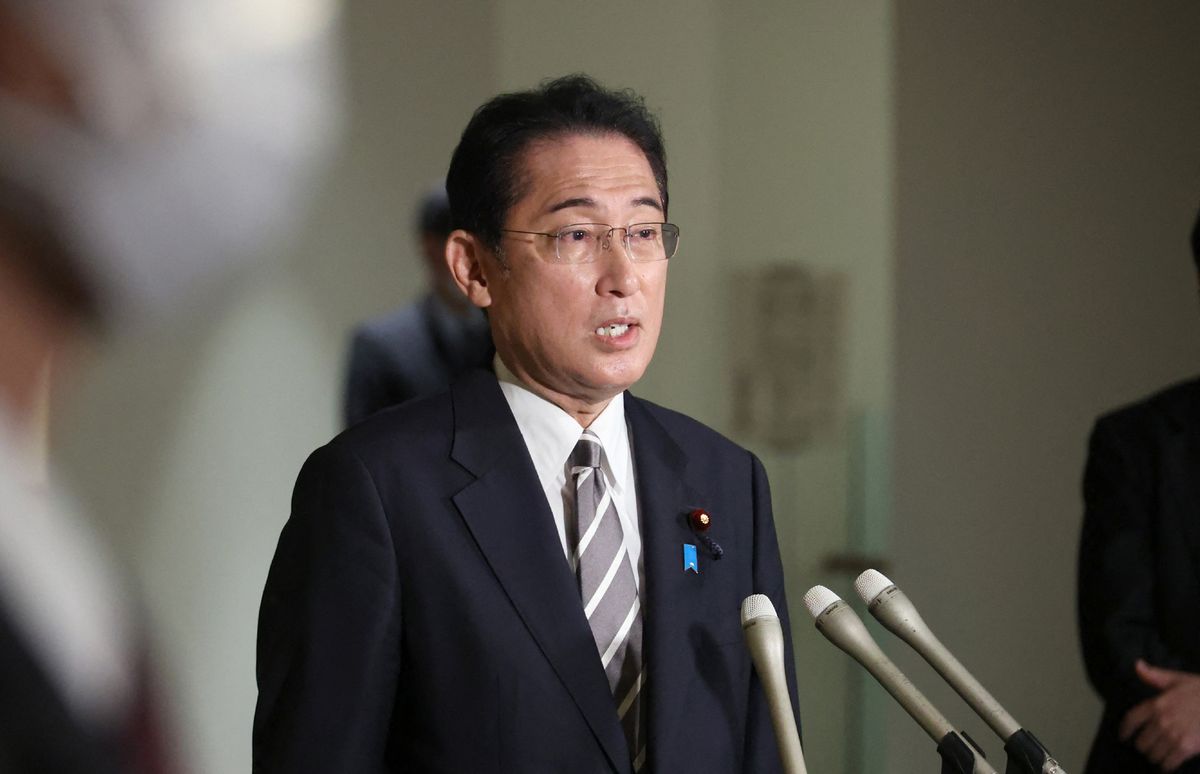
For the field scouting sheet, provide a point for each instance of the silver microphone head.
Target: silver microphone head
(818, 599)
(757, 606)
(870, 584)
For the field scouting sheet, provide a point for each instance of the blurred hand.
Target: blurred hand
(1166, 728)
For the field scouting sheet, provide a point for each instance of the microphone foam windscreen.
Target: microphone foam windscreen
(756, 606)
(818, 598)
(871, 584)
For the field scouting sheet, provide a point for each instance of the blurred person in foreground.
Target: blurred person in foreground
(143, 147)
(504, 577)
(1139, 580)
(420, 348)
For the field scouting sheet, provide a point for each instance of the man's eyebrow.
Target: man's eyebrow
(584, 201)
(579, 201)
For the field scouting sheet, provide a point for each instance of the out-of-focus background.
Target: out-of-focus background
(924, 244)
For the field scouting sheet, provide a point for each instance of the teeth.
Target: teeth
(612, 330)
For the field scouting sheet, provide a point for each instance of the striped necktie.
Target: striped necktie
(609, 591)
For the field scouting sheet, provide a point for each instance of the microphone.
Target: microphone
(841, 626)
(893, 609)
(764, 638)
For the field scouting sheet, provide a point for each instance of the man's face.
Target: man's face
(545, 315)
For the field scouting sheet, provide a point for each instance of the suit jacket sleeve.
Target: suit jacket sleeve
(762, 748)
(1117, 562)
(329, 627)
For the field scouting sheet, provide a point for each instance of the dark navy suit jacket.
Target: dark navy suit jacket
(420, 615)
(1139, 559)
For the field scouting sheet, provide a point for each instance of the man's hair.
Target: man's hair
(485, 177)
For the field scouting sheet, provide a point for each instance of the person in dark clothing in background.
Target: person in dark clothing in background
(1139, 581)
(420, 348)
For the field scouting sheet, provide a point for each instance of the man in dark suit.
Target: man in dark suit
(420, 348)
(499, 578)
(1139, 581)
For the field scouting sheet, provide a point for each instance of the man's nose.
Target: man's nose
(618, 273)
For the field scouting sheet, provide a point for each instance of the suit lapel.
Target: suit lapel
(506, 511)
(673, 598)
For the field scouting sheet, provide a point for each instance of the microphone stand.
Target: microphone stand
(1026, 755)
(957, 757)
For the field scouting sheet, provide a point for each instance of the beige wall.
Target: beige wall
(1048, 172)
(1005, 189)
(805, 178)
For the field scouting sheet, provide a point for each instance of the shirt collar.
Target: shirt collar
(551, 433)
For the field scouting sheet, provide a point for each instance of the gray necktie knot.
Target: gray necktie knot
(586, 453)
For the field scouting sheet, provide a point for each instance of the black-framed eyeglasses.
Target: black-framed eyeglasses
(582, 242)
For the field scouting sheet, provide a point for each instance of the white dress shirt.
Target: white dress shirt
(551, 434)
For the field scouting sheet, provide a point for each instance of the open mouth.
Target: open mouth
(614, 330)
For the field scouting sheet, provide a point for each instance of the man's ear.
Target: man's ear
(464, 256)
